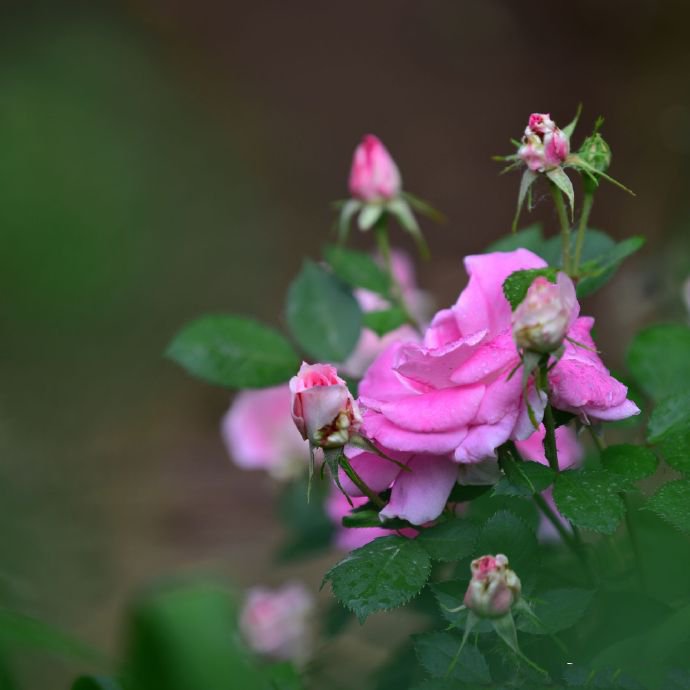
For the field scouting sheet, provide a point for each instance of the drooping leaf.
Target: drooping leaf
(369, 216)
(323, 316)
(234, 352)
(632, 462)
(559, 177)
(527, 180)
(385, 320)
(348, 210)
(438, 653)
(358, 269)
(672, 503)
(381, 575)
(659, 359)
(451, 540)
(555, 610)
(590, 498)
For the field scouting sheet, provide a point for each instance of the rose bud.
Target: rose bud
(278, 623)
(556, 148)
(542, 319)
(532, 153)
(494, 587)
(374, 176)
(540, 123)
(596, 152)
(322, 406)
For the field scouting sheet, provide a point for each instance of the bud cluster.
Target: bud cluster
(544, 145)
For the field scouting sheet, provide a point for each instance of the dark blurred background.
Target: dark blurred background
(160, 159)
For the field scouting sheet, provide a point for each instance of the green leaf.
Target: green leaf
(669, 413)
(515, 286)
(184, 637)
(632, 462)
(95, 683)
(659, 359)
(385, 321)
(562, 181)
(438, 651)
(402, 212)
(529, 238)
(233, 351)
(369, 216)
(672, 503)
(597, 272)
(323, 316)
(675, 447)
(590, 498)
(24, 632)
(569, 129)
(556, 610)
(381, 575)
(348, 210)
(528, 179)
(451, 540)
(284, 676)
(524, 479)
(358, 269)
(508, 534)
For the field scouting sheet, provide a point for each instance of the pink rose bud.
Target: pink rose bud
(278, 623)
(494, 587)
(540, 123)
(542, 319)
(323, 408)
(374, 175)
(532, 153)
(556, 148)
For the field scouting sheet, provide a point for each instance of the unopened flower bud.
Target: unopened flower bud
(541, 123)
(374, 176)
(323, 408)
(532, 152)
(494, 587)
(542, 319)
(556, 148)
(596, 152)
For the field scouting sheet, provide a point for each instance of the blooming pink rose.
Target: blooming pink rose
(542, 319)
(540, 123)
(451, 398)
(259, 433)
(374, 175)
(556, 148)
(277, 623)
(323, 408)
(494, 587)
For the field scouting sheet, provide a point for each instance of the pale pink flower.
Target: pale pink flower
(544, 146)
(532, 153)
(277, 623)
(259, 433)
(494, 587)
(542, 319)
(322, 406)
(374, 176)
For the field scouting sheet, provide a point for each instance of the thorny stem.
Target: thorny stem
(587, 202)
(565, 225)
(381, 231)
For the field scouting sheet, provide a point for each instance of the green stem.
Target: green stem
(360, 484)
(550, 448)
(559, 203)
(587, 202)
(381, 231)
